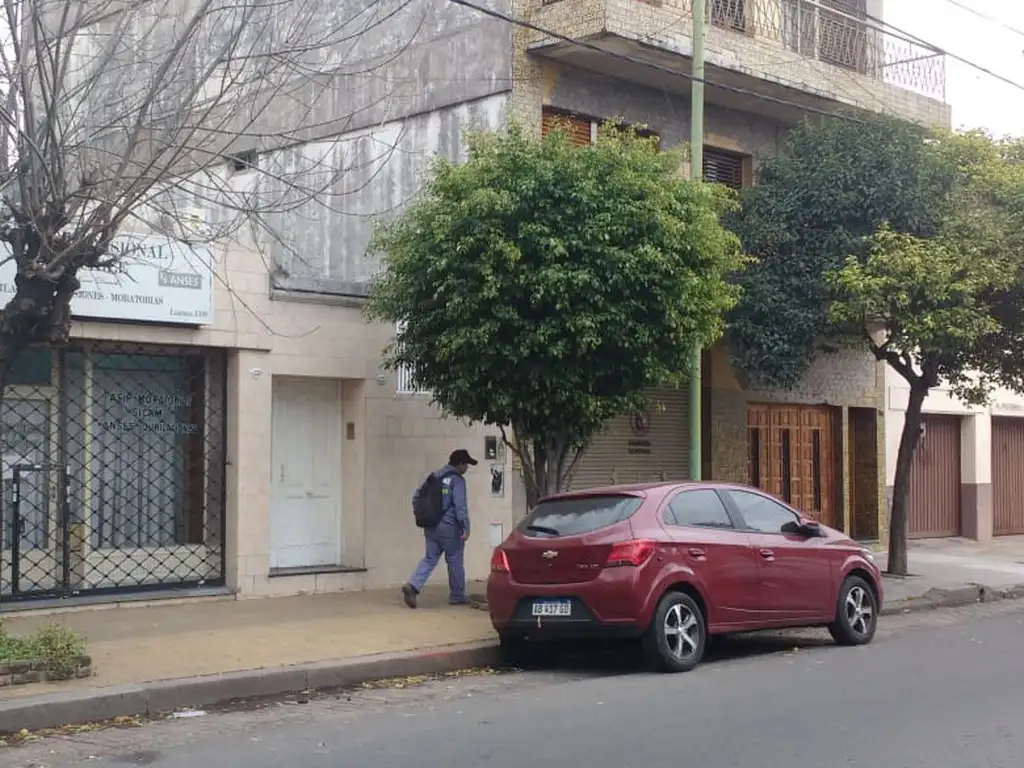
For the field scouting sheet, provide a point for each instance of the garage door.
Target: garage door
(1007, 476)
(935, 480)
(650, 445)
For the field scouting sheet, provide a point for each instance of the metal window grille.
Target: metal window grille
(404, 379)
(730, 14)
(834, 31)
(112, 466)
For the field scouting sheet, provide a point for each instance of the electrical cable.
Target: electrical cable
(648, 64)
(986, 17)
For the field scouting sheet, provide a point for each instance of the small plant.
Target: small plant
(55, 649)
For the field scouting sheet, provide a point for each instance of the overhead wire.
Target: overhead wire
(946, 52)
(587, 45)
(986, 17)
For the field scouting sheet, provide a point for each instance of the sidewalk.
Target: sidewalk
(132, 644)
(952, 564)
(160, 657)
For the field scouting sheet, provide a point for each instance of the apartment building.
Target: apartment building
(226, 425)
(770, 63)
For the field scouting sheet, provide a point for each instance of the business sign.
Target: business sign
(160, 280)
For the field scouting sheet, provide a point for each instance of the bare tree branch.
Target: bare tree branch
(120, 116)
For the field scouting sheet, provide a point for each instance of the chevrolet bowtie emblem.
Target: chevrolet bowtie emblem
(549, 554)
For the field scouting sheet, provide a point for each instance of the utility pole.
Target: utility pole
(696, 173)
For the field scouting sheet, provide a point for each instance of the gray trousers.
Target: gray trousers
(443, 540)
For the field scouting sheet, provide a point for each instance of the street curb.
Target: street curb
(99, 704)
(952, 598)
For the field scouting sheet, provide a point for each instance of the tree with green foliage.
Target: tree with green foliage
(925, 270)
(835, 183)
(541, 287)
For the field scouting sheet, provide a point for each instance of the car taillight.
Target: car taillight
(499, 562)
(635, 552)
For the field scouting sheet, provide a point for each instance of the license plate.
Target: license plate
(552, 608)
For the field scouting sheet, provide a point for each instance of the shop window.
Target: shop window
(147, 426)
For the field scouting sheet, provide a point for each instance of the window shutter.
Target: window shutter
(723, 167)
(579, 128)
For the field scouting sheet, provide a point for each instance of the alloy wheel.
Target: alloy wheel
(859, 609)
(682, 632)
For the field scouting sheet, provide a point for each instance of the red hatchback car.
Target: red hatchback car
(674, 564)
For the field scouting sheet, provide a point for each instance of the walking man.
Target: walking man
(442, 511)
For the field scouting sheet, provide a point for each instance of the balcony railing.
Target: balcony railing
(837, 32)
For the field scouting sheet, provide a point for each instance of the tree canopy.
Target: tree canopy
(904, 243)
(835, 183)
(543, 286)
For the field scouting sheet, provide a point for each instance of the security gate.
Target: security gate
(34, 538)
(112, 467)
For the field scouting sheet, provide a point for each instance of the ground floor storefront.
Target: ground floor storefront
(113, 470)
(817, 447)
(132, 468)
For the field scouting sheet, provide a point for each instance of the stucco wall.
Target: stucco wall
(667, 114)
(398, 438)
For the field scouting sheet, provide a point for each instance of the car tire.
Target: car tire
(677, 636)
(856, 613)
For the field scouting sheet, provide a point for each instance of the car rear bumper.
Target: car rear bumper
(610, 606)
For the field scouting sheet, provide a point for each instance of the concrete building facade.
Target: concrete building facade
(770, 64)
(295, 454)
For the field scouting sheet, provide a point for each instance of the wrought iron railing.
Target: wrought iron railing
(836, 32)
(112, 464)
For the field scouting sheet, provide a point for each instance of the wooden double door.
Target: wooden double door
(791, 455)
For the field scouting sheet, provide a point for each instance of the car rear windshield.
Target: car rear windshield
(571, 517)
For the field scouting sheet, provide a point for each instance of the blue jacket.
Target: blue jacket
(456, 505)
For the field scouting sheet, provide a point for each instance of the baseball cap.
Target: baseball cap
(461, 456)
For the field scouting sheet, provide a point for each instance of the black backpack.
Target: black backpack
(428, 509)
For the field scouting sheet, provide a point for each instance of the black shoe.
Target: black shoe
(409, 595)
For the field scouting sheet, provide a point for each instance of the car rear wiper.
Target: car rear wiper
(543, 529)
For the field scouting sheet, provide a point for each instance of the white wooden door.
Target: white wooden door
(305, 516)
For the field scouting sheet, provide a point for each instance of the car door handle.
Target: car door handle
(697, 553)
(767, 554)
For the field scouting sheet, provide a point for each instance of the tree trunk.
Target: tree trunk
(898, 521)
(546, 464)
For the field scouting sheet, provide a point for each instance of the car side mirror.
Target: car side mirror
(809, 528)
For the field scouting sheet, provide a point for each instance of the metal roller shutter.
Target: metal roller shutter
(934, 501)
(1007, 476)
(637, 450)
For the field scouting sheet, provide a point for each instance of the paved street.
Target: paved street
(939, 689)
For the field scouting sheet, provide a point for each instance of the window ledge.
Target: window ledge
(312, 570)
